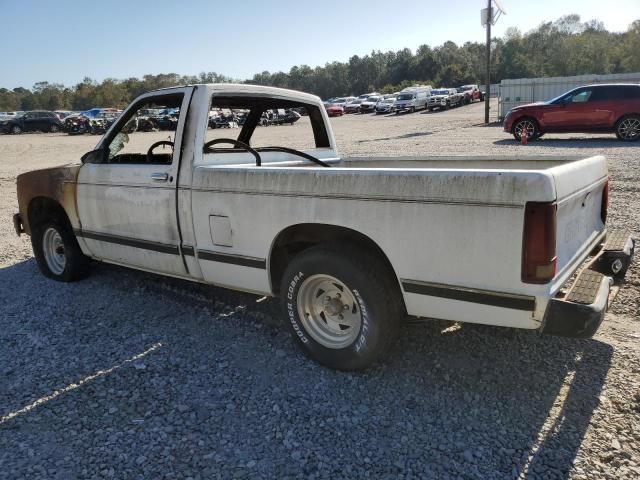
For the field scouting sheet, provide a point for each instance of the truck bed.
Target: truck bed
(441, 220)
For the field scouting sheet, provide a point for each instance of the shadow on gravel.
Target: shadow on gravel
(572, 143)
(472, 402)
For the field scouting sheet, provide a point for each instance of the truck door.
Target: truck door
(126, 189)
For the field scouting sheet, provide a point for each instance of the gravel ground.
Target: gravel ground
(131, 375)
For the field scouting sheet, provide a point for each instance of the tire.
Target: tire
(54, 128)
(16, 130)
(325, 282)
(57, 252)
(628, 128)
(412, 110)
(530, 124)
(467, 100)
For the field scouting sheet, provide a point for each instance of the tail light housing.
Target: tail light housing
(539, 242)
(604, 206)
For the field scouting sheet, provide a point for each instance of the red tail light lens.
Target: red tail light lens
(605, 202)
(539, 242)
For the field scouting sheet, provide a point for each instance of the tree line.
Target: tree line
(564, 47)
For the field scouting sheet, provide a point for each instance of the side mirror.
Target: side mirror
(94, 156)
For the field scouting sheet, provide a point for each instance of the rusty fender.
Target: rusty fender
(57, 183)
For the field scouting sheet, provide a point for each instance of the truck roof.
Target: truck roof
(257, 90)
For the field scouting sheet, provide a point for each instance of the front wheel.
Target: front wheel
(54, 128)
(527, 125)
(16, 130)
(57, 252)
(342, 305)
(628, 128)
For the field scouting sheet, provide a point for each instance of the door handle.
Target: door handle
(160, 176)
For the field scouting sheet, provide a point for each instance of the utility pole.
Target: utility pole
(487, 94)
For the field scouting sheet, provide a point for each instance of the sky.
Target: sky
(64, 41)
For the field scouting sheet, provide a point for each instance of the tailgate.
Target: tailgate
(579, 193)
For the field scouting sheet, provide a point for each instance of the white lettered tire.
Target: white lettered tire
(343, 306)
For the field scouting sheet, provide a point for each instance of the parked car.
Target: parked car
(471, 93)
(444, 98)
(8, 115)
(591, 108)
(167, 119)
(334, 110)
(348, 244)
(368, 105)
(77, 124)
(364, 96)
(342, 101)
(353, 107)
(412, 98)
(386, 105)
(36, 121)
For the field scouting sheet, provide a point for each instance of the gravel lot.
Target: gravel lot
(128, 375)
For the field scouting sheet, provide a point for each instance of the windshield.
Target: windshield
(357, 101)
(439, 92)
(389, 100)
(339, 100)
(373, 99)
(406, 96)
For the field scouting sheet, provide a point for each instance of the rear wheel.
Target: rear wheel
(628, 128)
(342, 305)
(528, 125)
(57, 252)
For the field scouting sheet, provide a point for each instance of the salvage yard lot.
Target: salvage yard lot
(131, 375)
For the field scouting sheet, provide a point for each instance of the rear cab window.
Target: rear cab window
(263, 122)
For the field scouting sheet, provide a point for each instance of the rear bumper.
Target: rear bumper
(581, 312)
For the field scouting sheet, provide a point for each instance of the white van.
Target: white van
(412, 98)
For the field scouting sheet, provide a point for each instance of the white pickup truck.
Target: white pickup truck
(351, 245)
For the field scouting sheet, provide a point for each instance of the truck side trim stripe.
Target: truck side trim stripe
(330, 196)
(463, 294)
(129, 242)
(240, 260)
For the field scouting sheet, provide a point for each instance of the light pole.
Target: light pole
(488, 18)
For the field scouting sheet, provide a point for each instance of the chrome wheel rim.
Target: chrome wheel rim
(525, 125)
(328, 311)
(53, 249)
(629, 128)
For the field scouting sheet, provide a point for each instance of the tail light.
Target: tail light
(604, 206)
(539, 242)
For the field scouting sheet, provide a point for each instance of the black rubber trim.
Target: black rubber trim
(129, 242)
(187, 251)
(240, 260)
(484, 297)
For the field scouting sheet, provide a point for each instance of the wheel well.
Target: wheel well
(43, 208)
(622, 117)
(294, 239)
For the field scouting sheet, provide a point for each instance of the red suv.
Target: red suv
(592, 108)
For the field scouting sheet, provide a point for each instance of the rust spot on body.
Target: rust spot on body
(57, 183)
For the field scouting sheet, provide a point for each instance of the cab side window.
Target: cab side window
(581, 96)
(147, 133)
(261, 122)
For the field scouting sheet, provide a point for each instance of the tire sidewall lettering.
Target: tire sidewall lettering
(361, 340)
(292, 306)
